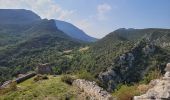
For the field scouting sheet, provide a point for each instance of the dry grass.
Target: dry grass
(83, 49)
(143, 88)
(53, 89)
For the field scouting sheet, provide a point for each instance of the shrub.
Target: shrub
(12, 87)
(44, 77)
(40, 77)
(67, 79)
(155, 74)
(86, 75)
(126, 92)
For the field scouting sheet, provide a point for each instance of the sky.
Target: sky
(99, 17)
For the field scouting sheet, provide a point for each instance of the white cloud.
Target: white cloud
(102, 10)
(45, 8)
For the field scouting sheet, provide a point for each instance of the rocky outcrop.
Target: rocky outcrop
(164, 44)
(92, 90)
(110, 79)
(149, 49)
(160, 88)
(44, 69)
(127, 64)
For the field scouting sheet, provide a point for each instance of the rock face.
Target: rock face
(160, 90)
(109, 78)
(126, 64)
(44, 69)
(92, 90)
(149, 49)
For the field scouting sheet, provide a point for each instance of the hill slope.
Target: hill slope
(125, 56)
(24, 45)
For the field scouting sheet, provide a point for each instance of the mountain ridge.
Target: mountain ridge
(74, 31)
(15, 16)
(117, 56)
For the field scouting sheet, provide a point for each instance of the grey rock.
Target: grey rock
(167, 69)
(92, 90)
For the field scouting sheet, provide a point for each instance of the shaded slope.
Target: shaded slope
(73, 31)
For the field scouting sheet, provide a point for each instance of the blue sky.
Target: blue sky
(100, 17)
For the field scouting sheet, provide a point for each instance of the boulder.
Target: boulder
(167, 69)
(167, 75)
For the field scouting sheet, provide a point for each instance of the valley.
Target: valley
(123, 60)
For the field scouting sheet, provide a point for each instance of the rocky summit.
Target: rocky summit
(160, 88)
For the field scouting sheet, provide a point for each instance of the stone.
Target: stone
(6, 83)
(167, 74)
(44, 69)
(109, 78)
(167, 69)
(153, 82)
(92, 90)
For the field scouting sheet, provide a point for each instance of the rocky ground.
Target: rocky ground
(92, 90)
(160, 88)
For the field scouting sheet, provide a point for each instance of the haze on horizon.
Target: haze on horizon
(99, 17)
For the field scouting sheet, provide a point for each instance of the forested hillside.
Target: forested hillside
(125, 56)
(24, 45)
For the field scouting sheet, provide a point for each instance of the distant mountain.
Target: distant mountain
(16, 16)
(73, 31)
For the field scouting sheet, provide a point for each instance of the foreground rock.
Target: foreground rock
(160, 88)
(92, 90)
